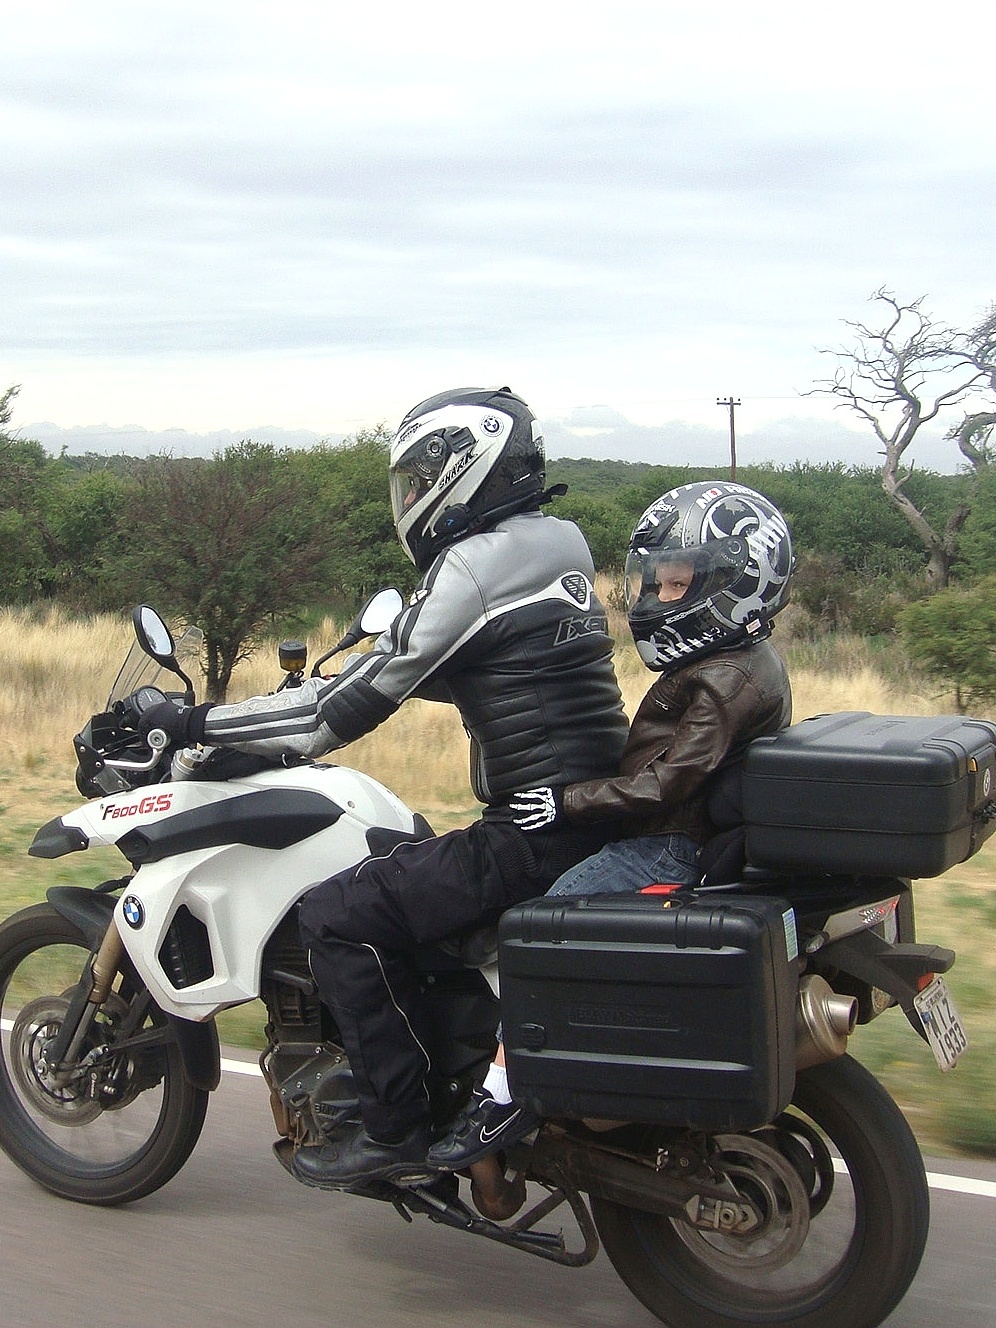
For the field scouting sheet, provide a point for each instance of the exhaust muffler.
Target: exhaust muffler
(824, 1020)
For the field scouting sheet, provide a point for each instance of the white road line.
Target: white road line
(241, 1067)
(937, 1180)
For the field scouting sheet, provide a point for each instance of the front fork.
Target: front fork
(92, 990)
(92, 911)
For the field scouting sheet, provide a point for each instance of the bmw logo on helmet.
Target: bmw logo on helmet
(133, 911)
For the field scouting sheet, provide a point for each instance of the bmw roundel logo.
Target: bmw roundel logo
(491, 424)
(134, 913)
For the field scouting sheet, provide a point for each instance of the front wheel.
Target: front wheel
(118, 1121)
(842, 1182)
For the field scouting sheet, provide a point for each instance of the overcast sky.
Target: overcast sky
(226, 214)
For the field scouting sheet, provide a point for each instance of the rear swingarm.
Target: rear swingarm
(679, 1187)
(566, 1166)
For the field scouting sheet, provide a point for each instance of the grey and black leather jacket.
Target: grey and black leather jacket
(506, 625)
(692, 721)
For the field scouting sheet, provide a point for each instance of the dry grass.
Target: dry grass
(54, 672)
(818, 693)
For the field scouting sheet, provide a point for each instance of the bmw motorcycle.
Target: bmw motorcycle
(802, 1201)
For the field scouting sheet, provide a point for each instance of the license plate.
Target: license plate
(941, 1022)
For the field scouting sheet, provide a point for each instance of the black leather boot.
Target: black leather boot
(353, 1158)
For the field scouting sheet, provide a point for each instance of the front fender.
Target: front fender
(92, 913)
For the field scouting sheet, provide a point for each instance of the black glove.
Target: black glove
(183, 725)
(538, 808)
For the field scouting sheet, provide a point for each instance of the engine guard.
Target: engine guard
(91, 912)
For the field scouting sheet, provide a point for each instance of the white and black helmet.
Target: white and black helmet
(461, 461)
(709, 566)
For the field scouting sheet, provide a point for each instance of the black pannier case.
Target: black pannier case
(622, 1008)
(872, 794)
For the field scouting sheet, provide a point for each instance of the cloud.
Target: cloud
(233, 211)
(597, 432)
(781, 442)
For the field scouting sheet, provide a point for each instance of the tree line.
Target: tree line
(257, 539)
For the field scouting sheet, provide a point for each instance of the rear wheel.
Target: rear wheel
(841, 1182)
(116, 1123)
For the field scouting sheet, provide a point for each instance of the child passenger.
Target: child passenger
(708, 567)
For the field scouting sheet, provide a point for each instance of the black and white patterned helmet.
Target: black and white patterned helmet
(709, 566)
(460, 461)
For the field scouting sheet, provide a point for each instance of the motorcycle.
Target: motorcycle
(807, 1207)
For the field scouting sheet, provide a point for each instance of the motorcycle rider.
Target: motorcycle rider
(505, 624)
(708, 567)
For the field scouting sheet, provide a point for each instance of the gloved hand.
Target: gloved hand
(538, 808)
(183, 725)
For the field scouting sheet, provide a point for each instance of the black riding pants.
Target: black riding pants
(361, 929)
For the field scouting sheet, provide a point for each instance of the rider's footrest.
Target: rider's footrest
(632, 1007)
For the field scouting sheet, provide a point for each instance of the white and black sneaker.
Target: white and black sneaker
(482, 1127)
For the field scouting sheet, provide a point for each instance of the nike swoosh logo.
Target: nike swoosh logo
(487, 1135)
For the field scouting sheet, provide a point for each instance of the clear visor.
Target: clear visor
(414, 475)
(660, 577)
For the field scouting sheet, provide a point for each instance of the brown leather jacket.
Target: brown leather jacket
(690, 722)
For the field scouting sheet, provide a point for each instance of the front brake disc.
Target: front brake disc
(63, 1098)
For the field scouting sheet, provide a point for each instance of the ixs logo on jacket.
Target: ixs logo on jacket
(152, 802)
(571, 629)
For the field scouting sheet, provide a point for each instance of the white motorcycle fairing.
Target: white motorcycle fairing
(222, 863)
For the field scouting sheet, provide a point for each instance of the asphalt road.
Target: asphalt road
(234, 1241)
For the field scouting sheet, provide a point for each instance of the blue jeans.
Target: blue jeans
(630, 864)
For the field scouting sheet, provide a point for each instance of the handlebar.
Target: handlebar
(157, 740)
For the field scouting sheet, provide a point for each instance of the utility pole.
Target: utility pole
(729, 401)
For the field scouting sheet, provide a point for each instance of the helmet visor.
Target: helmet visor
(415, 473)
(657, 578)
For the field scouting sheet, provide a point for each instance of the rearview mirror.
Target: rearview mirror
(375, 617)
(156, 640)
(154, 636)
(379, 612)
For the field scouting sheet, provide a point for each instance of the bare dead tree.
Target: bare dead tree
(900, 375)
